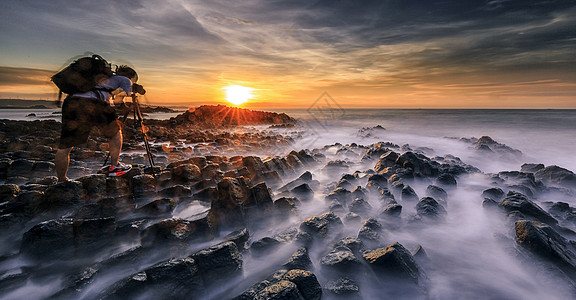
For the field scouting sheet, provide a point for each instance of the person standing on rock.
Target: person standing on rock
(83, 111)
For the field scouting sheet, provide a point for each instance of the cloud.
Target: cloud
(10, 76)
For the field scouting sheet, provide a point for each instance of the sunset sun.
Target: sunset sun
(237, 94)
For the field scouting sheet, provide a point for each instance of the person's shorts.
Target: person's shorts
(80, 115)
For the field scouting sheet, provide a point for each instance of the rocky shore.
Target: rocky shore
(234, 212)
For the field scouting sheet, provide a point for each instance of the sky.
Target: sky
(362, 54)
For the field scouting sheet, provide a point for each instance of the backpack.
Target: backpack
(82, 75)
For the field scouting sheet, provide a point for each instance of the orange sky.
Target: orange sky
(368, 54)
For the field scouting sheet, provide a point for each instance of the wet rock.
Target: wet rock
(420, 164)
(143, 186)
(543, 241)
(556, 176)
(20, 167)
(391, 210)
(360, 192)
(430, 208)
(299, 260)
(393, 261)
(322, 225)
(24, 206)
(62, 196)
(307, 284)
(494, 193)
(489, 203)
(521, 181)
(352, 218)
(303, 192)
(157, 208)
(282, 290)
(370, 231)
(531, 168)
(560, 209)
(218, 263)
(446, 180)
(186, 173)
(343, 287)
(388, 159)
(341, 259)
(175, 232)
(518, 202)
(207, 195)
(419, 254)
(408, 194)
(286, 205)
(354, 244)
(437, 193)
(49, 239)
(226, 209)
(177, 192)
(91, 235)
(239, 237)
(343, 196)
(360, 206)
(95, 186)
(336, 167)
(264, 246)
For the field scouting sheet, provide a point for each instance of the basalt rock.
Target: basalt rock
(299, 260)
(186, 173)
(264, 246)
(430, 208)
(408, 194)
(303, 192)
(341, 259)
(370, 232)
(175, 232)
(394, 261)
(50, 239)
(518, 202)
(360, 206)
(556, 176)
(343, 287)
(496, 194)
(219, 263)
(322, 225)
(391, 210)
(307, 284)
(387, 159)
(63, 196)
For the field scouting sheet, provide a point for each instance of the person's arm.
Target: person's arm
(124, 89)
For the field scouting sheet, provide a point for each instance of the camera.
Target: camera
(136, 88)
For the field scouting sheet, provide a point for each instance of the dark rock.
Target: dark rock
(336, 167)
(207, 195)
(281, 290)
(437, 193)
(489, 203)
(391, 210)
(264, 246)
(446, 180)
(517, 201)
(303, 192)
(360, 192)
(531, 168)
(49, 239)
(219, 263)
(143, 186)
(132, 287)
(176, 192)
(307, 284)
(95, 186)
(186, 173)
(430, 208)
(62, 196)
(157, 208)
(175, 232)
(352, 218)
(322, 225)
(370, 231)
(299, 260)
(176, 279)
(394, 261)
(360, 206)
(343, 196)
(354, 244)
(388, 159)
(226, 210)
(20, 167)
(377, 182)
(560, 208)
(341, 259)
(408, 194)
(91, 235)
(239, 237)
(556, 176)
(543, 241)
(344, 287)
(494, 193)
(8, 192)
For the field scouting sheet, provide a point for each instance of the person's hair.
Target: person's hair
(127, 71)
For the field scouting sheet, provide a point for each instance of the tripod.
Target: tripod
(139, 121)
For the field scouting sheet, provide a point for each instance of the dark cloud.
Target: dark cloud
(24, 76)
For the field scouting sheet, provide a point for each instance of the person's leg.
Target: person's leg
(115, 147)
(62, 160)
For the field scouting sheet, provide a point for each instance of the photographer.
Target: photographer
(83, 111)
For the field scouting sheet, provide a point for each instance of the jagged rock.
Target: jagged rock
(175, 232)
(543, 241)
(394, 261)
(343, 196)
(557, 176)
(158, 207)
(560, 209)
(343, 287)
(437, 193)
(408, 194)
(299, 260)
(531, 168)
(370, 231)
(226, 210)
(218, 263)
(518, 202)
(388, 159)
(186, 173)
(360, 206)
(391, 210)
(49, 239)
(307, 284)
(341, 259)
(489, 203)
(95, 186)
(446, 180)
(9, 192)
(420, 164)
(354, 244)
(239, 237)
(62, 196)
(281, 290)
(322, 225)
(303, 192)
(92, 234)
(496, 194)
(264, 246)
(143, 186)
(336, 167)
(360, 192)
(177, 192)
(430, 208)
(20, 167)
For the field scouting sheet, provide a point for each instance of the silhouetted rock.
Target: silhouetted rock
(220, 115)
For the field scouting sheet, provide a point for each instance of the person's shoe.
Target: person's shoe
(119, 169)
